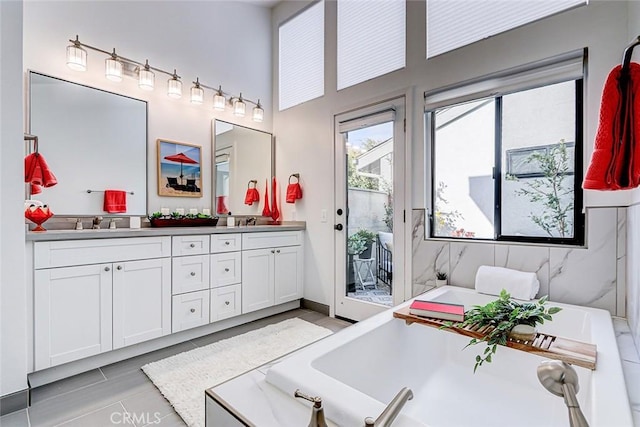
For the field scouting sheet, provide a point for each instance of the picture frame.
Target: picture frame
(179, 169)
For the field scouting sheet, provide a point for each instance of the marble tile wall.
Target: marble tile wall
(633, 272)
(592, 276)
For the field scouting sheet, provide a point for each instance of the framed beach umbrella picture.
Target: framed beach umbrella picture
(179, 169)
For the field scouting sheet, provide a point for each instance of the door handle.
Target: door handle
(338, 227)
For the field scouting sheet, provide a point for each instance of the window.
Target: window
(455, 23)
(509, 166)
(371, 39)
(301, 57)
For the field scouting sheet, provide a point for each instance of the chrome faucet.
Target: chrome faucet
(96, 222)
(317, 412)
(391, 411)
(562, 380)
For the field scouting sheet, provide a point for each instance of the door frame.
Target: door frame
(351, 308)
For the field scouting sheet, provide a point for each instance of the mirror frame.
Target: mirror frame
(29, 147)
(213, 162)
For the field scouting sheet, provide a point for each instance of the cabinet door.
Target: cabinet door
(141, 301)
(190, 310)
(72, 313)
(190, 273)
(288, 274)
(225, 302)
(257, 279)
(225, 269)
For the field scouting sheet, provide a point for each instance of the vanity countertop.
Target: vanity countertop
(106, 233)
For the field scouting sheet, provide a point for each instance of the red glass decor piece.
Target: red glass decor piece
(38, 215)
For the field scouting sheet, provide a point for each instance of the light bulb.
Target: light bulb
(219, 101)
(239, 107)
(197, 93)
(258, 113)
(113, 68)
(174, 87)
(76, 56)
(146, 78)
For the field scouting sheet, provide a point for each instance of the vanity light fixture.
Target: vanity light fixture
(197, 93)
(146, 78)
(113, 68)
(239, 107)
(117, 66)
(258, 113)
(76, 56)
(174, 86)
(219, 101)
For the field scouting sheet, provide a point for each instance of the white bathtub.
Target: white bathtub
(360, 369)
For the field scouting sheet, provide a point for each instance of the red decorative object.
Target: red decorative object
(38, 215)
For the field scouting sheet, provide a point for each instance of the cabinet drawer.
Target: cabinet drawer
(226, 243)
(226, 269)
(225, 302)
(190, 245)
(271, 239)
(96, 251)
(190, 273)
(190, 310)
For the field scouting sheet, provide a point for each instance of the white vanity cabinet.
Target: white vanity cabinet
(82, 310)
(271, 269)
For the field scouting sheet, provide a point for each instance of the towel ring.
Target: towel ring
(296, 175)
(254, 182)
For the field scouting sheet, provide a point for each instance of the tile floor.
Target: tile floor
(121, 394)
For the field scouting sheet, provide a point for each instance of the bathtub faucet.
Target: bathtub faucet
(562, 380)
(317, 412)
(391, 411)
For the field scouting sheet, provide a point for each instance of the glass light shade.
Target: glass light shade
(258, 113)
(239, 108)
(174, 88)
(113, 69)
(197, 95)
(146, 79)
(219, 102)
(76, 58)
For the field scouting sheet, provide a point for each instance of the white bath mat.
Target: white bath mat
(183, 378)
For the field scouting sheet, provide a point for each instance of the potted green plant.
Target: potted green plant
(503, 315)
(367, 237)
(441, 278)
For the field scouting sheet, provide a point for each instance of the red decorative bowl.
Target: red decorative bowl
(38, 216)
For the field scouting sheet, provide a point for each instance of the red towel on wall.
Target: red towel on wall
(275, 213)
(294, 192)
(252, 196)
(615, 162)
(36, 171)
(266, 211)
(221, 207)
(115, 201)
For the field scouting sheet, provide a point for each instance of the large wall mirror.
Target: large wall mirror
(243, 158)
(91, 140)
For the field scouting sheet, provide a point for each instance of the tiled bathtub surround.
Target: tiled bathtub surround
(591, 276)
(633, 271)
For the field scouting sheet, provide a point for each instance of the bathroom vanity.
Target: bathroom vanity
(96, 291)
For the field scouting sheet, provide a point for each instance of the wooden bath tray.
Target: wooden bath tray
(574, 352)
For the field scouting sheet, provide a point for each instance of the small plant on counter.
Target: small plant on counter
(156, 215)
(441, 275)
(503, 315)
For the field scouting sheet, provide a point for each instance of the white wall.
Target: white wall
(304, 133)
(13, 302)
(221, 42)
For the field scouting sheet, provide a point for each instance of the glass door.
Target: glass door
(369, 210)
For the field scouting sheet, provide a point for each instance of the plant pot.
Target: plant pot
(366, 254)
(441, 282)
(523, 333)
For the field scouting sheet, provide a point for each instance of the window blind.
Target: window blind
(301, 57)
(455, 23)
(371, 39)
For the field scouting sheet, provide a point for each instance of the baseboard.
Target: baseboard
(14, 402)
(315, 306)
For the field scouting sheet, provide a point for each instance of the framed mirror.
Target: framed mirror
(92, 140)
(243, 158)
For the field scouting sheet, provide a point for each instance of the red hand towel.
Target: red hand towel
(294, 192)
(248, 198)
(256, 195)
(36, 171)
(615, 162)
(266, 211)
(115, 201)
(221, 207)
(275, 213)
(36, 189)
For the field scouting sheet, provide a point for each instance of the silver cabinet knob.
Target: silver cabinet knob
(278, 251)
(119, 267)
(226, 270)
(107, 269)
(193, 273)
(193, 245)
(273, 251)
(226, 303)
(227, 243)
(193, 310)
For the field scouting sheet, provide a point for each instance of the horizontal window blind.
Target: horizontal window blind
(367, 120)
(455, 23)
(301, 57)
(371, 39)
(568, 66)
